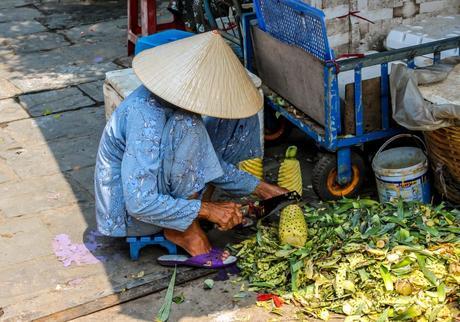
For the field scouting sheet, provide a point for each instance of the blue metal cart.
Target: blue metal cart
(294, 23)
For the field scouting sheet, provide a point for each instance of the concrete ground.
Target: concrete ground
(53, 59)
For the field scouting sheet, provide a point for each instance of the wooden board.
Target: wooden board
(130, 292)
(372, 118)
(292, 73)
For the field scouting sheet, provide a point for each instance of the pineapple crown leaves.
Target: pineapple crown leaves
(291, 152)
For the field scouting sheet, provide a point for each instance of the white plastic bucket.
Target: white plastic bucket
(402, 172)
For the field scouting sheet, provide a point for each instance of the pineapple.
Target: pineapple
(253, 166)
(290, 175)
(293, 227)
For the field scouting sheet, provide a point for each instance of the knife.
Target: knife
(265, 208)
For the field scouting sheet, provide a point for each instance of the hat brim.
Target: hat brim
(200, 74)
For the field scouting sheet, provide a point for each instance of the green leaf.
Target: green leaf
(363, 275)
(434, 313)
(428, 274)
(276, 311)
(295, 267)
(284, 253)
(165, 309)
(411, 313)
(384, 316)
(406, 261)
(208, 284)
(179, 299)
(47, 111)
(386, 276)
(240, 295)
(441, 290)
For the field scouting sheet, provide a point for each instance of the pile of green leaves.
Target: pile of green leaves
(367, 260)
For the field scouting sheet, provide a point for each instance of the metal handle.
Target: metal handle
(245, 210)
(396, 137)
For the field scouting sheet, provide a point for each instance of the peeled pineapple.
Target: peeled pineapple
(289, 175)
(253, 166)
(293, 227)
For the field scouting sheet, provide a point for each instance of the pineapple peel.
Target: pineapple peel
(369, 261)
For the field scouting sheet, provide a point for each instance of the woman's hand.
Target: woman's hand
(266, 190)
(225, 215)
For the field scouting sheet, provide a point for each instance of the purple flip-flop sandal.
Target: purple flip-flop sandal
(208, 260)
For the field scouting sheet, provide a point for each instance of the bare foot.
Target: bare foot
(193, 240)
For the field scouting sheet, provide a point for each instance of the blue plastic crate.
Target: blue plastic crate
(295, 23)
(159, 39)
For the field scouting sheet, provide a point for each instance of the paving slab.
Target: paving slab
(76, 221)
(85, 177)
(6, 173)
(8, 89)
(101, 31)
(73, 124)
(23, 239)
(14, 3)
(53, 158)
(75, 55)
(29, 196)
(93, 53)
(60, 76)
(56, 292)
(68, 15)
(19, 14)
(34, 42)
(6, 140)
(94, 90)
(18, 28)
(60, 100)
(43, 285)
(10, 110)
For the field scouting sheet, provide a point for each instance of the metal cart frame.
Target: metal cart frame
(298, 24)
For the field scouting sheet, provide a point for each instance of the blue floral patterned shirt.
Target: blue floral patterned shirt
(152, 158)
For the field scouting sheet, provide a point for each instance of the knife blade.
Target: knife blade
(265, 208)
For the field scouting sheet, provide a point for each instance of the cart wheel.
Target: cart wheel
(325, 178)
(275, 129)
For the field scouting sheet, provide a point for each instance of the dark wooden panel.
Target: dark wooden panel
(372, 119)
(131, 291)
(292, 73)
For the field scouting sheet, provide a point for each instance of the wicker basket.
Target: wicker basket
(444, 152)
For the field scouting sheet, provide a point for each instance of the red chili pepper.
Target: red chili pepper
(264, 297)
(278, 301)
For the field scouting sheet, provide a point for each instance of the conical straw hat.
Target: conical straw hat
(200, 74)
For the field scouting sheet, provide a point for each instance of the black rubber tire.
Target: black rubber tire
(275, 124)
(327, 163)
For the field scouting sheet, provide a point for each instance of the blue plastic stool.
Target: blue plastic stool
(160, 38)
(136, 243)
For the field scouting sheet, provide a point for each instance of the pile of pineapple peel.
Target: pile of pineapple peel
(364, 260)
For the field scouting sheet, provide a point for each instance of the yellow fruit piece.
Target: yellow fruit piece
(253, 166)
(293, 227)
(290, 175)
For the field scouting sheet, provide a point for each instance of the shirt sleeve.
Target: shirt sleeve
(235, 181)
(140, 167)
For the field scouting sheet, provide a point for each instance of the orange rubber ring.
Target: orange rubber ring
(338, 190)
(276, 135)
